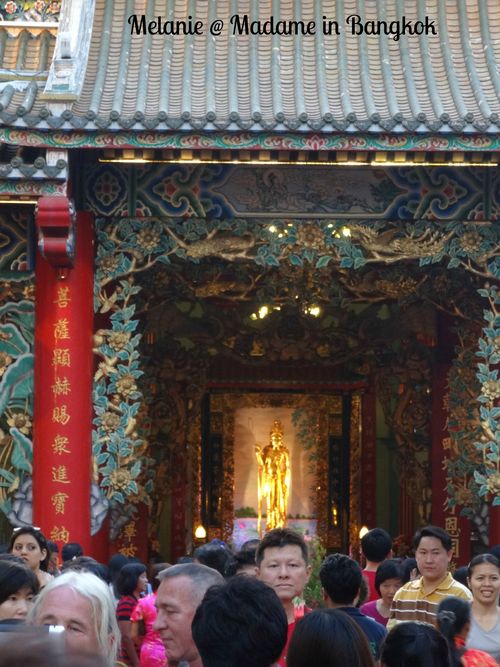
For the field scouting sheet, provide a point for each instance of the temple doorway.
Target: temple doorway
(223, 341)
(319, 435)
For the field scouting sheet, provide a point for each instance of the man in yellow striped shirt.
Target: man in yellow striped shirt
(418, 600)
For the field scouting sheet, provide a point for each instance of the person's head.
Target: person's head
(483, 579)
(328, 637)
(242, 563)
(53, 566)
(433, 552)
(214, 554)
(11, 558)
(453, 616)
(250, 545)
(154, 571)
(115, 564)
(183, 560)
(341, 578)
(460, 575)
(282, 563)
(132, 579)
(83, 604)
(30, 544)
(240, 623)
(495, 551)
(388, 580)
(413, 644)
(42, 649)
(376, 545)
(18, 587)
(453, 620)
(409, 569)
(181, 590)
(71, 550)
(87, 564)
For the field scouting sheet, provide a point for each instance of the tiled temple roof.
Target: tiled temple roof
(25, 57)
(448, 83)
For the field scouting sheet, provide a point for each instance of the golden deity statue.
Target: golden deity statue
(273, 480)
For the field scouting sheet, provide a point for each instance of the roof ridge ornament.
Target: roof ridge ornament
(55, 223)
(69, 63)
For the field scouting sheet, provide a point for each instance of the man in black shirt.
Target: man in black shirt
(341, 579)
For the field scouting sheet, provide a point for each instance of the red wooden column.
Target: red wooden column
(63, 372)
(494, 525)
(369, 468)
(178, 509)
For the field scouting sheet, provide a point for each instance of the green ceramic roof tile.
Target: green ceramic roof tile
(344, 82)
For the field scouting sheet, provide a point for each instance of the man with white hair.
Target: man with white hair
(181, 591)
(82, 605)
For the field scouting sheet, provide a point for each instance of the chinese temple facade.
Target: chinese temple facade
(205, 231)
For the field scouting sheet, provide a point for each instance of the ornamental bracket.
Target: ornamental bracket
(55, 223)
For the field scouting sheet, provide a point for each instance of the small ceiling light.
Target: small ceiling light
(313, 310)
(263, 312)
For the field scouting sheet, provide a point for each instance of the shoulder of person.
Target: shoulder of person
(480, 658)
(376, 625)
(409, 586)
(460, 590)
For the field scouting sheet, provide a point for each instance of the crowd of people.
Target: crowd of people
(218, 608)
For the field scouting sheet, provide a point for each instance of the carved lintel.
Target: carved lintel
(55, 222)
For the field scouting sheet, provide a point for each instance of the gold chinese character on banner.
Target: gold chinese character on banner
(61, 386)
(452, 528)
(61, 357)
(62, 297)
(60, 444)
(451, 524)
(59, 534)
(130, 531)
(60, 415)
(60, 474)
(129, 551)
(59, 502)
(61, 329)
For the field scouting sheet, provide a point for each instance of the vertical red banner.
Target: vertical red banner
(63, 393)
(458, 527)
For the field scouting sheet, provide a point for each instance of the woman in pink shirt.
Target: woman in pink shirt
(152, 650)
(388, 579)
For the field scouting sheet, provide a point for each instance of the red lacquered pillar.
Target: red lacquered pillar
(63, 373)
(369, 457)
(494, 525)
